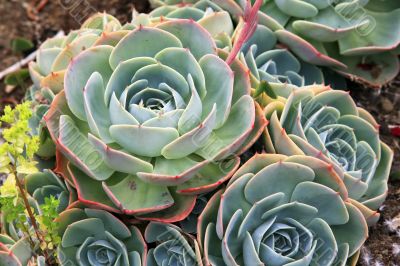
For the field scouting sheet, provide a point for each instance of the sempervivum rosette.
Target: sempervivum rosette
(154, 120)
(280, 210)
(173, 246)
(95, 237)
(325, 123)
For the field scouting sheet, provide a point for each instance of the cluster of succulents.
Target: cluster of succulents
(148, 121)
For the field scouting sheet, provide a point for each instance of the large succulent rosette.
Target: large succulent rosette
(95, 237)
(173, 246)
(325, 123)
(53, 57)
(154, 120)
(280, 210)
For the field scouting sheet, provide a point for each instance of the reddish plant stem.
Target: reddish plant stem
(250, 18)
(29, 210)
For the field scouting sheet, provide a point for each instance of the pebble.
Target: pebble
(386, 104)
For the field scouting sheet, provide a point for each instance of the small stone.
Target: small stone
(386, 105)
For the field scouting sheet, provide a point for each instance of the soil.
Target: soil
(16, 20)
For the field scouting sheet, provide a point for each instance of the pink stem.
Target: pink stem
(250, 24)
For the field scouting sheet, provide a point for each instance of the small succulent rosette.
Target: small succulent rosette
(46, 184)
(154, 120)
(173, 246)
(208, 14)
(324, 123)
(277, 66)
(41, 99)
(96, 237)
(17, 253)
(55, 54)
(11, 225)
(279, 210)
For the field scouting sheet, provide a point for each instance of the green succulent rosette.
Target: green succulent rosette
(41, 100)
(154, 120)
(17, 253)
(324, 123)
(53, 57)
(96, 237)
(277, 66)
(173, 246)
(55, 54)
(47, 184)
(279, 210)
(11, 226)
(208, 14)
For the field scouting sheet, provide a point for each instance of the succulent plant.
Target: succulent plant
(148, 128)
(279, 210)
(189, 224)
(95, 237)
(209, 15)
(45, 184)
(16, 253)
(55, 54)
(325, 123)
(173, 246)
(351, 37)
(277, 65)
(53, 57)
(11, 226)
(41, 100)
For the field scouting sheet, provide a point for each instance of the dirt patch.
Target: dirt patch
(383, 104)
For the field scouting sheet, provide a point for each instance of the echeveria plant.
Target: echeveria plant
(279, 210)
(95, 237)
(17, 253)
(351, 37)
(45, 184)
(147, 120)
(208, 14)
(55, 54)
(348, 36)
(173, 246)
(277, 66)
(325, 123)
(149, 127)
